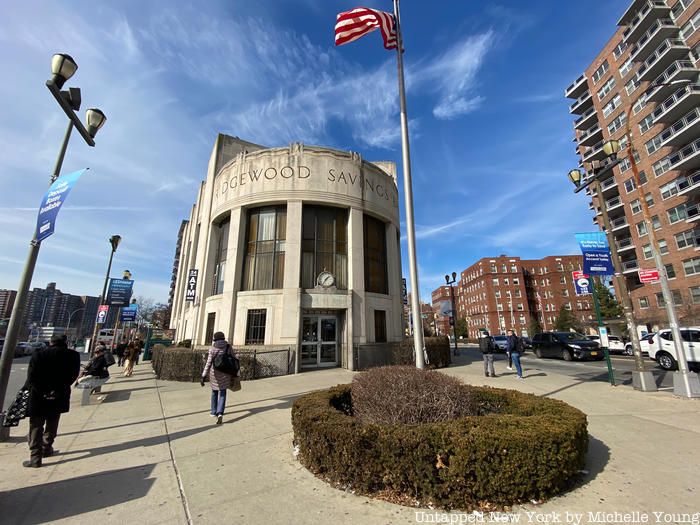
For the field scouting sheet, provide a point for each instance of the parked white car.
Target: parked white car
(662, 350)
(615, 344)
(645, 343)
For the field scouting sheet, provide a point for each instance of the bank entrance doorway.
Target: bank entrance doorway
(319, 341)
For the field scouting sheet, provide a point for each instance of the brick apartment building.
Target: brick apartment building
(7, 301)
(500, 293)
(656, 42)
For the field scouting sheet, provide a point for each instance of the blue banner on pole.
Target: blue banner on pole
(596, 253)
(119, 292)
(129, 313)
(52, 202)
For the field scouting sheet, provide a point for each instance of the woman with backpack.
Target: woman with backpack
(218, 379)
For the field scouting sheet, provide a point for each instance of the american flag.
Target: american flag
(351, 25)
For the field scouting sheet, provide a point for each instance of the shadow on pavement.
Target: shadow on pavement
(597, 457)
(57, 500)
(121, 447)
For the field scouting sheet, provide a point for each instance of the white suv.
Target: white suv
(615, 344)
(662, 351)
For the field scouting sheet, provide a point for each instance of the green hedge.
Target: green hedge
(186, 364)
(530, 450)
(438, 349)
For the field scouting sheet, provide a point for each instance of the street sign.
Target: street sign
(445, 308)
(102, 314)
(191, 291)
(119, 292)
(404, 291)
(582, 283)
(649, 276)
(129, 313)
(596, 253)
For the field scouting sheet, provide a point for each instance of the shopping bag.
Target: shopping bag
(235, 385)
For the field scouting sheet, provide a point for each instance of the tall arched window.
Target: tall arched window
(324, 245)
(264, 260)
(375, 256)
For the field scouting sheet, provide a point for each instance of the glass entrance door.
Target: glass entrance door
(319, 341)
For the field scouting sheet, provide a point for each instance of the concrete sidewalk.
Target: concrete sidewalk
(148, 452)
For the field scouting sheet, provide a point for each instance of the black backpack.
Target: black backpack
(519, 346)
(226, 362)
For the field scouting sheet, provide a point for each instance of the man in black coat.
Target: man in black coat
(51, 373)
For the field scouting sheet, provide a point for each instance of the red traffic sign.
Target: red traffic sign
(649, 276)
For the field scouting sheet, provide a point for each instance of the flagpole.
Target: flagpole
(408, 195)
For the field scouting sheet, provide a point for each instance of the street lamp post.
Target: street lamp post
(641, 379)
(454, 311)
(62, 68)
(114, 241)
(685, 383)
(71, 317)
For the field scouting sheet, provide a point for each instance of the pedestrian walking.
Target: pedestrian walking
(121, 351)
(219, 381)
(487, 347)
(130, 358)
(138, 343)
(514, 347)
(51, 373)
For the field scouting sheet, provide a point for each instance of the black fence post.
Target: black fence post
(255, 363)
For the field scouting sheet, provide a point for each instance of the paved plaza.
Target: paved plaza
(146, 451)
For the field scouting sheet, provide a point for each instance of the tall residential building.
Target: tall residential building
(657, 42)
(176, 266)
(49, 307)
(7, 301)
(504, 292)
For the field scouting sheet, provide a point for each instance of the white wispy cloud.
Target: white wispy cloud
(453, 75)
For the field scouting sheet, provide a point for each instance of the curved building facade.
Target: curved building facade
(295, 247)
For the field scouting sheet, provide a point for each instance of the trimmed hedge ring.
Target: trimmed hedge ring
(530, 450)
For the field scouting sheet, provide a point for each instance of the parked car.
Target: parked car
(23, 349)
(644, 342)
(615, 344)
(566, 345)
(501, 342)
(527, 342)
(662, 349)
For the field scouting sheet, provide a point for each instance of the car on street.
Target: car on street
(663, 351)
(527, 342)
(566, 345)
(23, 349)
(615, 344)
(501, 342)
(644, 343)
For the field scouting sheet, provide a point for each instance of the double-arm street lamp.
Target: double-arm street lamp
(685, 383)
(62, 68)
(114, 241)
(454, 310)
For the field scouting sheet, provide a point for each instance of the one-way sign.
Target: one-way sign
(191, 291)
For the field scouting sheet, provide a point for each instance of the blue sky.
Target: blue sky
(491, 136)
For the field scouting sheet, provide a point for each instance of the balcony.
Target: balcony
(682, 131)
(614, 203)
(581, 104)
(660, 30)
(630, 266)
(577, 87)
(625, 244)
(586, 120)
(591, 136)
(687, 158)
(619, 224)
(669, 50)
(679, 70)
(609, 186)
(690, 185)
(678, 104)
(647, 13)
(594, 153)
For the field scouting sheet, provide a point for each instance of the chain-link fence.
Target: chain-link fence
(186, 364)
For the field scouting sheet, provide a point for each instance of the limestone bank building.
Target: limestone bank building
(294, 247)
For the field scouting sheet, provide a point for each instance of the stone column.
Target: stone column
(357, 330)
(290, 326)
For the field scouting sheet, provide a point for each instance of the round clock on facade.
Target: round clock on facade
(325, 279)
